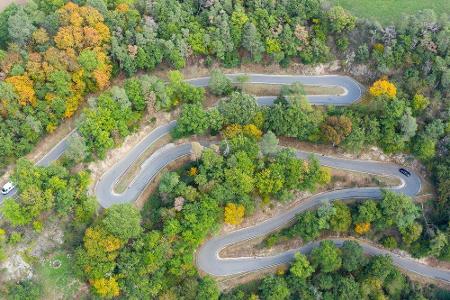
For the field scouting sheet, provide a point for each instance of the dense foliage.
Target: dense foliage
(48, 189)
(55, 56)
(54, 53)
(329, 272)
(156, 259)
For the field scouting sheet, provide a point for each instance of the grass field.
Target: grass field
(59, 279)
(387, 11)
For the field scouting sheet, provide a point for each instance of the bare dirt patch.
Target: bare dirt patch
(343, 179)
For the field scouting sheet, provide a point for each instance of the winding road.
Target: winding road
(208, 258)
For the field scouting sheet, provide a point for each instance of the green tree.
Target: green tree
(76, 148)
(380, 267)
(352, 256)
(14, 213)
(327, 257)
(122, 221)
(20, 27)
(346, 288)
(301, 267)
(25, 290)
(251, 41)
(208, 289)
(340, 20)
(274, 288)
(307, 226)
(219, 84)
(368, 212)
(424, 147)
(193, 120)
(239, 108)
(133, 89)
(341, 220)
(215, 120)
(269, 143)
(411, 232)
(398, 209)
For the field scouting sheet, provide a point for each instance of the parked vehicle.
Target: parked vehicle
(404, 172)
(7, 188)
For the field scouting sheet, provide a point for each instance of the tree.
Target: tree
(23, 87)
(234, 213)
(383, 87)
(398, 209)
(215, 120)
(207, 289)
(347, 288)
(269, 143)
(324, 176)
(336, 129)
(362, 228)
(411, 232)
(438, 244)
(251, 41)
(368, 212)
(219, 84)
(133, 89)
(352, 256)
(122, 221)
(25, 290)
(408, 125)
(239, 108)
(269, 181)
(14, 213)
(20, 27)
(193, 120)
(76, 148)
(389, 242)
(419, 103)
(106, 287)
(307, 226)
(274, 288)
(340, 20)
(380, 267)
(341, 220)
(424, 147)
(327, 257)
(301, 267)
(168, 183)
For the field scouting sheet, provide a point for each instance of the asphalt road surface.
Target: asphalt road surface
(208, 255)
(352, 89)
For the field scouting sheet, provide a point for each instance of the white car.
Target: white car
(7, 188)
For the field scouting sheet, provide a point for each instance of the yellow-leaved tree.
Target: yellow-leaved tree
(362, 228)
(234, 213)
(106, 287)
(383, 87)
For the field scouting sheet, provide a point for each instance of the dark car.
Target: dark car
(404, 172)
